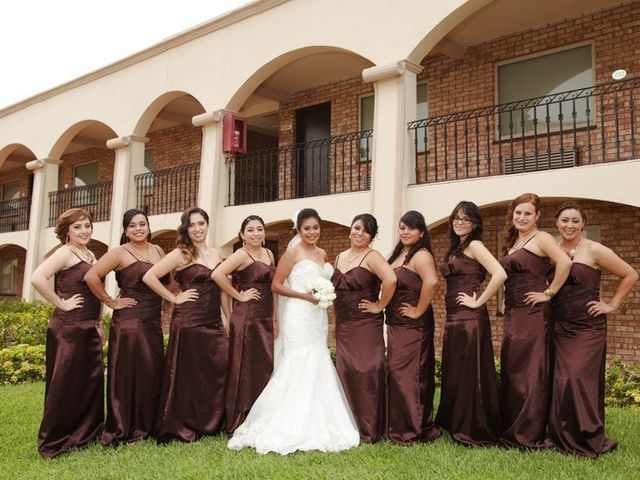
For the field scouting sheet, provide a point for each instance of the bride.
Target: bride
(303, 407)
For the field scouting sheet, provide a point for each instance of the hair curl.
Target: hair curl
(183, 242)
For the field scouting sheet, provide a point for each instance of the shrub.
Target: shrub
(622, 385)
(23, 323)
(22, 363)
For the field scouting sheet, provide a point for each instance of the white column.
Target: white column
(129, 161)
(212, 187)
(45, 180)
(395, 105)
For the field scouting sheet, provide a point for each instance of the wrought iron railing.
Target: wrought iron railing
(94, 198)
(320, 167)
(14, 214)
(578, 127)
(169, 190)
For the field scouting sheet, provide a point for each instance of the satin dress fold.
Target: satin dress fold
(360, 350)
(136, 358)
(525, 358)
(468, 407)
(411, 359)
(193, 386)
(576, 423)
(250, 343)
(73, 402)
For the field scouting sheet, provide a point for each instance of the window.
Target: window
(8, 276)
(366, 123)
(422, 111)
(10, 190)
(147, 183)
(545, 75)
(83, 176)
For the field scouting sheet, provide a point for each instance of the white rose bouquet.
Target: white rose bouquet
(322, 289)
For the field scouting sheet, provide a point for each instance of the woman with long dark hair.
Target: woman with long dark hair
(576, 423)
(251, 323)
(135, 338)
(410, 325)
(468, 407)
(360, 274)
(193, 385)
(73, 403)
(525, 356)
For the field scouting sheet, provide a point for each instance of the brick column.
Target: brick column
(395, 105)
(45, 179)
(212, 187)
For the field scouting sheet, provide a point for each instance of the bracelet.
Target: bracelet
(549, 293)
(108, 301)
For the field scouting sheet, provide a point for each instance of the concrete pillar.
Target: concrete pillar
(45, 180)
(395, 105)
(213, 185)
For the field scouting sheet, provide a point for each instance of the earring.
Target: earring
(243, 243)
(264, 242)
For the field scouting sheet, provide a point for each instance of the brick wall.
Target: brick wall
(618, 226)
(103, 156)
(11, 252)
(21, 174)
(172, 147)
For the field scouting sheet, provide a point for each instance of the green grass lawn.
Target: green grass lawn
(21, 407)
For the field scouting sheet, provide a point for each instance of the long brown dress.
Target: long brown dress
(411, 359)
(134, 373)
(193, 385)
(250, 343)
(525, 358)
(73, 402)
(576, 423)
(469, 396)
(360, 350)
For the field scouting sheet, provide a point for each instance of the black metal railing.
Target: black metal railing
(578, 127)
(14, 214)
(319, 167)
(169, 190)
(94, 198)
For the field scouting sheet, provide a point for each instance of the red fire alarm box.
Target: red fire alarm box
(234, 134)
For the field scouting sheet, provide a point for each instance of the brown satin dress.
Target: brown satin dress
(469, 396)
(525, 358)
(134, 372)
(411, 359)
(360, 350)
(576, 423)
(73, 402)
(193, 385)
(250, 343)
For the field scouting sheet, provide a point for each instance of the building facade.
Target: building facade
(349, 107)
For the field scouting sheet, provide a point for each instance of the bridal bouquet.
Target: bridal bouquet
(322, 289)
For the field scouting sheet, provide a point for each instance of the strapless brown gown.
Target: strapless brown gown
(469, 396)
(134, 372)
(193, 385)
(360, 350)
(576, 423)
(73, 401)
(411, 359)
(525, 358)
(250, 343)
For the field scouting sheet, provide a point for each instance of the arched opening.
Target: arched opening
(12, 258)
(16, 187)
(307, 133)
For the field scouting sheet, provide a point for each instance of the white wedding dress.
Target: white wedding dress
(303, 407)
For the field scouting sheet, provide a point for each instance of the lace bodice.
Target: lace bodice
(304, 271)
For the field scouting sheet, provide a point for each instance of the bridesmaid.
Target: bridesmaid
(193, 386)
(576, 423)
(73, 403)
(251, 329)
(410, 352)
(135, 338)
(469, 396)
(525, 358)
(360, 274)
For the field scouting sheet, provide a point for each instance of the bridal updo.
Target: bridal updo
(305, 214)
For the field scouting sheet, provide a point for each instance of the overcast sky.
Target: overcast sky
(44, 43)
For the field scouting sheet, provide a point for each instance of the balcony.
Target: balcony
(96, 199)
(320, 167)
(578, 127)
(169, 190)
(14, 214)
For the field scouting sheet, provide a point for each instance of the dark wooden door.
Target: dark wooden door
(312, 159)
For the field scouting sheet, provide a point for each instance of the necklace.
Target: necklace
(204, 254)
(84, 254)
(572, 252)
(146, 256)
(351, 259)
(518, 246)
